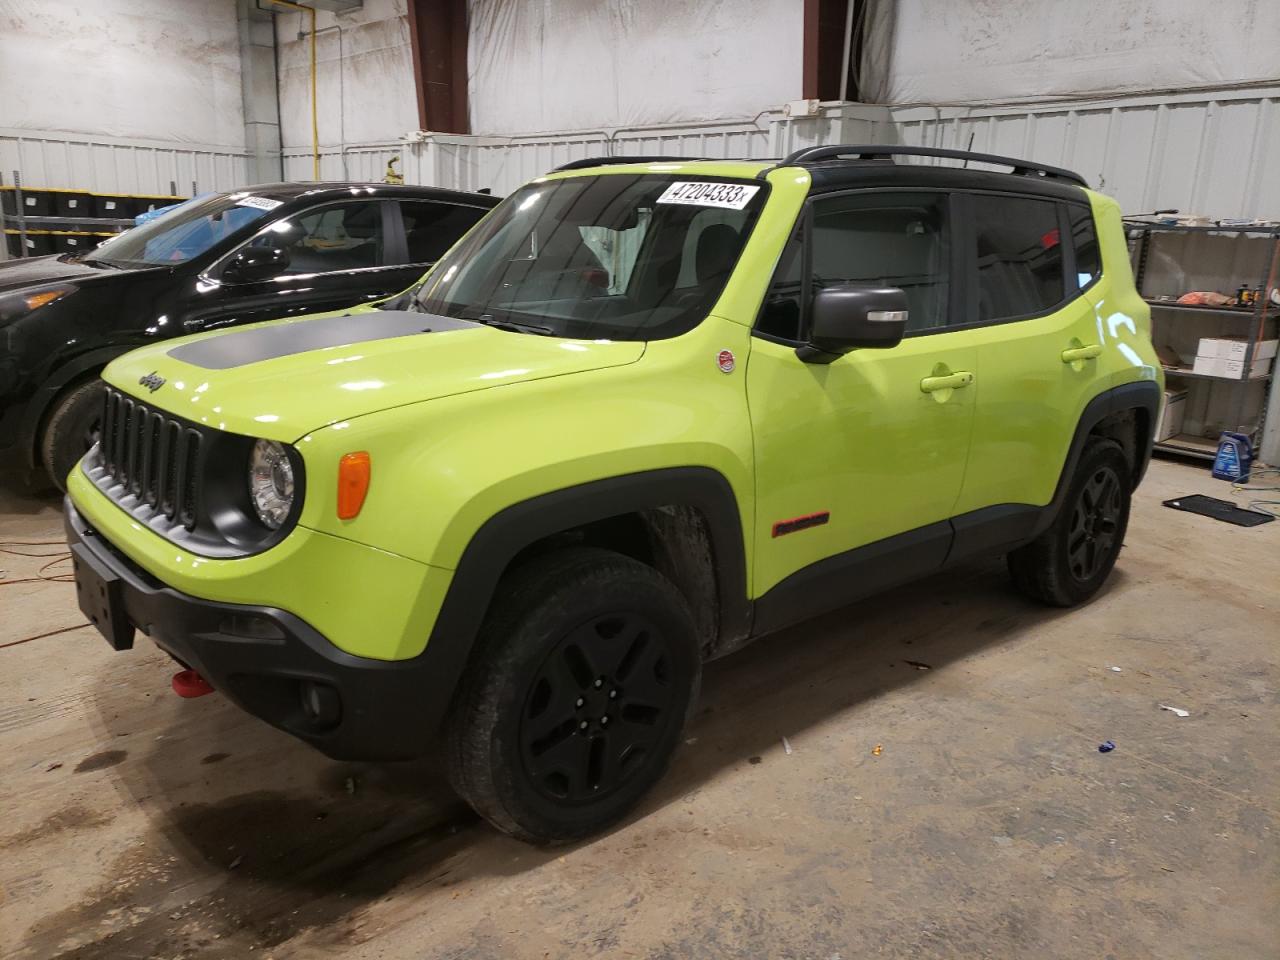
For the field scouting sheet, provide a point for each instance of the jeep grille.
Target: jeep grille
(152, 457)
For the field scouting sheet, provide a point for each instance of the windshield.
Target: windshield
(616, 256)
(186, 231)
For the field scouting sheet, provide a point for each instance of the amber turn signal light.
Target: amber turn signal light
(353, 484)
(37, 300)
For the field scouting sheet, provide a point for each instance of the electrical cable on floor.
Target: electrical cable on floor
(6, 546)
(41, 636)
(1261, 506)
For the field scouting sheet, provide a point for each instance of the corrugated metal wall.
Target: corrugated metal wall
(503, 163)
(1203, 153)
(106, 165)
(1199, 153)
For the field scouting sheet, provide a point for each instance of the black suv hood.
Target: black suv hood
(34, 271)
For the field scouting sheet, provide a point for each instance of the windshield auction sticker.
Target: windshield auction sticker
(258, 203)
(728, 196)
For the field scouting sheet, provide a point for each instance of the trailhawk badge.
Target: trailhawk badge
(152, 381)
(726, 361)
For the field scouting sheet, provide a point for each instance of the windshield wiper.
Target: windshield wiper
(94, 262)
(514, 326)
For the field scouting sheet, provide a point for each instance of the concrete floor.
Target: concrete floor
(138, 825)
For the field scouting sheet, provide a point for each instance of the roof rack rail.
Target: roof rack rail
(1021, 168)
(607, 161)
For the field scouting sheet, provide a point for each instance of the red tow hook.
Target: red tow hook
(189, 684)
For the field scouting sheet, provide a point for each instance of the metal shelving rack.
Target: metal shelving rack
(21, 219)
(1141, 233)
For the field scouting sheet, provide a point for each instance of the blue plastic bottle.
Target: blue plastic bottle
(1235, 454)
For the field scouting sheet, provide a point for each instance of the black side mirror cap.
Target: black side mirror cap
(848, 317)
(254, 264)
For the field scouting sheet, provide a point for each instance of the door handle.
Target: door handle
(952, 381)
(1076, 354)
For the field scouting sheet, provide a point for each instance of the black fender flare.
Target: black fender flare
(512, 529)
(1139, 395)
(37, 407)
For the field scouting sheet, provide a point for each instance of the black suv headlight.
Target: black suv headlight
(15, 305)
(271, 485)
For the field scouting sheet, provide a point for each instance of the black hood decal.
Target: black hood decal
(285, 339)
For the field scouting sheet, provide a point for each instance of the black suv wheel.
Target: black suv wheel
(70, 430)
(583, 678)
(1070, 561)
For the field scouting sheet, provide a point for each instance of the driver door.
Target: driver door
(338, 257)
(859, 462)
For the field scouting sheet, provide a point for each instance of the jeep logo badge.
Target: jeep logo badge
(152, 381)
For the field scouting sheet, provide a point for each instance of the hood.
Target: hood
(33, 271)
(283, 379)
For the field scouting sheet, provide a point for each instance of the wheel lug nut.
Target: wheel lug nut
(580, 702)
(599, 684)
(613, 694)
(582, 725)
(604, 721)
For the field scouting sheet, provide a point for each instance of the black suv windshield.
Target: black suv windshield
(611, 257)
(186, 231)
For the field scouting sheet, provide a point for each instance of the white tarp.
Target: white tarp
(545, 65)
(957, 51)
(365, 89)
(140, 69)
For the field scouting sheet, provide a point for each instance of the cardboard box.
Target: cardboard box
(1172, 411)
(1234, 348)
(1231, 369)
(1234, 369)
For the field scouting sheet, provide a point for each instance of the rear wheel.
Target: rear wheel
(71, 429)
(584, 676)
(1070, 561)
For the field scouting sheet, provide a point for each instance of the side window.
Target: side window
(780, 313)
(1019, 256)
(339, 236)
(887, 240)
(1084, 236)
(432, 228)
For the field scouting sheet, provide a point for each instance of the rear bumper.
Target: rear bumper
(274, 665)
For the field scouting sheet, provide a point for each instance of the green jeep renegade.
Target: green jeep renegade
(642, 413)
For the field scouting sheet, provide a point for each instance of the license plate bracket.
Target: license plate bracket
(101, 596)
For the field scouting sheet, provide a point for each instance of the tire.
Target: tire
(1070, 561)
(70, 430)
(576, 640)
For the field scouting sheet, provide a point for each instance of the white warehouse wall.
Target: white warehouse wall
(365, 86)
(141, 69)
(966, 51)
(546, 65)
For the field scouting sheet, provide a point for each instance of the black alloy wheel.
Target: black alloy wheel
(577, 692)
(1095, 520)
(597, 707)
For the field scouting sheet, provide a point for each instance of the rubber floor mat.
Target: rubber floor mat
(1219, 510)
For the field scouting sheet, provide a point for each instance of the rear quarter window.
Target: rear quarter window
(1084, 237)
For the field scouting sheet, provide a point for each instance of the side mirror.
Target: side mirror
(253, 264)
(847, 317)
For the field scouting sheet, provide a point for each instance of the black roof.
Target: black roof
(292, 190)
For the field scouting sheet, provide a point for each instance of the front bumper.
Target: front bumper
(273, 664)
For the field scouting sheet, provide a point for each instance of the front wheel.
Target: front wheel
(584, 675)
(70, 430)
(1069, 562)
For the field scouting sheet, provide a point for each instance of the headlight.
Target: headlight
(270, 482)
(16, 305)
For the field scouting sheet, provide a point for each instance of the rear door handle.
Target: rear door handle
(1091, 352)
(952, 381)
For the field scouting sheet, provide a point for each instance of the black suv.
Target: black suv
(260, 253)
